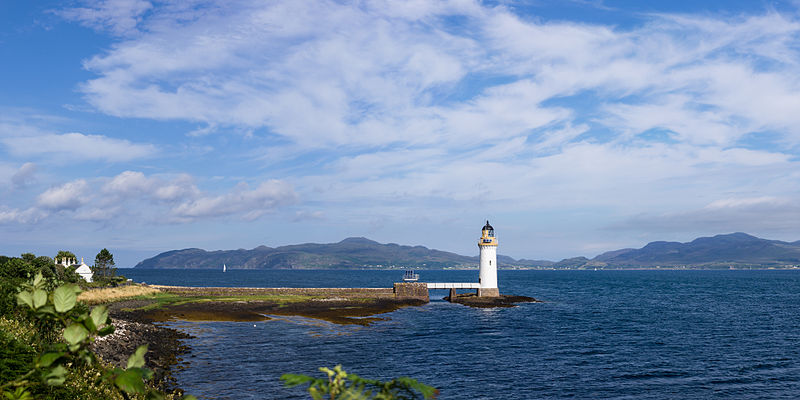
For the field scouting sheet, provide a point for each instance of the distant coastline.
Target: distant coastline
(720, 252)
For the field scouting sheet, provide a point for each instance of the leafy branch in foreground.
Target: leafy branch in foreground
(80, 328)
(340, 385)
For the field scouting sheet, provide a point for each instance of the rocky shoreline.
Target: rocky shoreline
(165, 345)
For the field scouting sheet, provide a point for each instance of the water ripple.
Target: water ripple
(610, 335)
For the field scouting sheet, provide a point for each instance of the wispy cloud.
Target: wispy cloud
(120, 17)
(381, 109)
(374, 73)
(766, 216)
(75, 147)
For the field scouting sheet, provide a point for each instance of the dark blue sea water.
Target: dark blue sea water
(598, 335)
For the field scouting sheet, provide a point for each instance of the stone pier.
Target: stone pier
(411, 290)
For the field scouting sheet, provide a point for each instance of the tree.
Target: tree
(65, 257)
(64, 254)
(104, 265)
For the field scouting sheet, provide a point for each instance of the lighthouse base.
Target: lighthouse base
(488, 292)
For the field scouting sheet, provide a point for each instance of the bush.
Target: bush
(338, 384)
(16, 357)
(68, 355)
(14, 271)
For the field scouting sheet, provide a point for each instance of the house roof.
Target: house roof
(83, 269)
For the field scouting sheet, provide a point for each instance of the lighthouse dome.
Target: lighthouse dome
(487, 227)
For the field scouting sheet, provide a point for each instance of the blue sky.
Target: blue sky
(575, 127)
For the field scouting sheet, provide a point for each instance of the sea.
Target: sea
(674, 334)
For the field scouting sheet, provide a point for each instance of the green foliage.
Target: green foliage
(15, 271)
(15, 357)
(64, 254)
(339, 385)
(80, 328)
(18, 394)
(104, 268)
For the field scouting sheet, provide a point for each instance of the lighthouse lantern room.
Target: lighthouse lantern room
(488, 267)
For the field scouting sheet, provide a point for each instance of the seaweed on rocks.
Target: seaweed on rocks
(470, 299)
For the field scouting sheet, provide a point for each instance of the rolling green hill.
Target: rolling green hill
(349, 253)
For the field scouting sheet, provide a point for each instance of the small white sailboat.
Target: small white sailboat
(224, 268)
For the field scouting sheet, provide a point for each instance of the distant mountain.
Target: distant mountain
(738, 250)
(349, 253)
(722, 251)
(569, 263)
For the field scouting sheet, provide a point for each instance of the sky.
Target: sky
(575, 127)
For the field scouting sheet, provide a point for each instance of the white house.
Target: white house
(83, 270)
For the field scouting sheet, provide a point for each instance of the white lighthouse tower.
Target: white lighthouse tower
(488, 272)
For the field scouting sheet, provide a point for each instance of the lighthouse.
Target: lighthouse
(488, 270)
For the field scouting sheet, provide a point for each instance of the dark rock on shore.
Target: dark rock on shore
(470, 299)
(164, 346)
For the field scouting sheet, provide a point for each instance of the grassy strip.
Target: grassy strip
(106, 295)
(162, 299)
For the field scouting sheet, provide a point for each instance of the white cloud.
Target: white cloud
(131, 197)
(118, 16)
(28, 216)
(134, 184)
(308, 215)
(24, 175)
(76, 147)
(128, 183)
(68, 196)
(763, 216)
(252, 203)
(416, 114)
(746, 202)
(182, 187)
(372, 74)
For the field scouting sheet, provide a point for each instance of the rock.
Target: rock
(164, 347)
(470, 299)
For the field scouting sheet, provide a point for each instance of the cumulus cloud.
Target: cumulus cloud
(27, 216)
(251, 203)
(135, 184)
(24, 175)
(135, 197)
(77, 147)
(68, 196)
